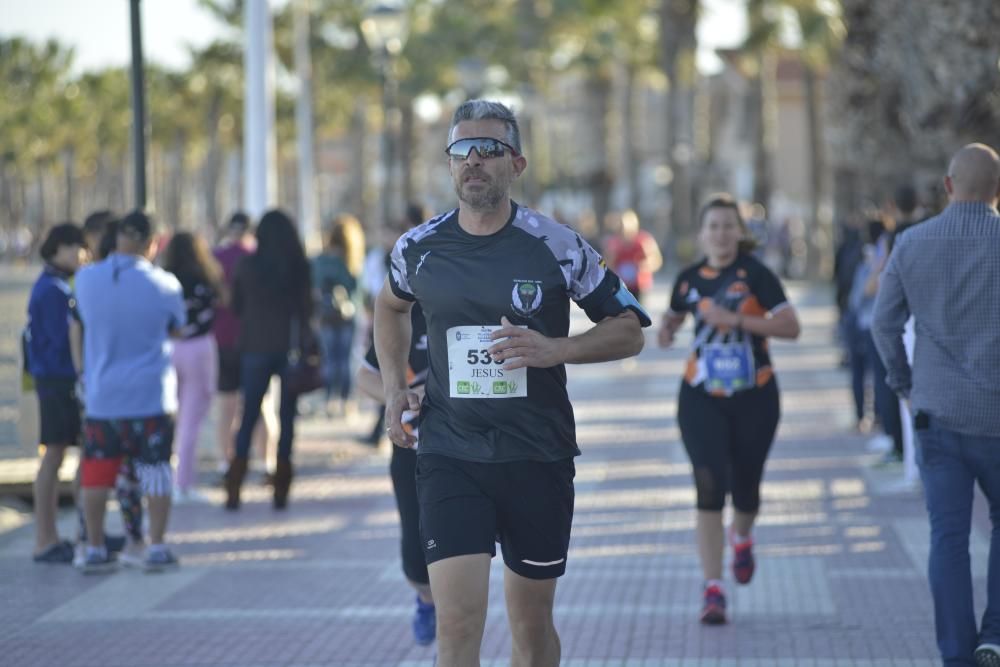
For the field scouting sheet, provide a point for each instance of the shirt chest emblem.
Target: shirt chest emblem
(526, 297)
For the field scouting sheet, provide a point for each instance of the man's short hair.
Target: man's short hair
(97, 221)
(65, 234)
(905, 198)
(239, 220)
(136, 225)
(488, 110)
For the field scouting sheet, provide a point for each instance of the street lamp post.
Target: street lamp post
(138, 106)
(385, 29)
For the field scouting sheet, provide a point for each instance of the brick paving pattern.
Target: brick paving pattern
(841, 555)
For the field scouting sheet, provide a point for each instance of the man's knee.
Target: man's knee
(459, 624)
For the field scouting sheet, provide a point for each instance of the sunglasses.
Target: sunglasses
(486, 147)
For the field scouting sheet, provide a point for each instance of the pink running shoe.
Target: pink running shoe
(743, 562)
(713, 611)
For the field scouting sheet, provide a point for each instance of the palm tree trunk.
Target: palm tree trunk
(406, 141)
(817, 255)
(678, 19)
(631, 153)
(599, 179)
(69, 159)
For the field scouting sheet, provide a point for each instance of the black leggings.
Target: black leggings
(403, 470)
(727, 440)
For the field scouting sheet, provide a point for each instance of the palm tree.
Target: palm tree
(678, 20)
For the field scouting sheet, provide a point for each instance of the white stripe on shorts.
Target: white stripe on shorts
(533, 562)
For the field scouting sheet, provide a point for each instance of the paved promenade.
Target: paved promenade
(841, 553)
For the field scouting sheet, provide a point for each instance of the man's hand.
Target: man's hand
(395, 404)
(523, 348)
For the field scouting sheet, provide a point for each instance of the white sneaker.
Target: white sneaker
(188, 497)
(133, 555)
(880, 444)
(79, 555)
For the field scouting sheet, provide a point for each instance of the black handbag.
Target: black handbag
(305, 362)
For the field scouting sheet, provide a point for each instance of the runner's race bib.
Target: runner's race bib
(728, 367)
(472, 373)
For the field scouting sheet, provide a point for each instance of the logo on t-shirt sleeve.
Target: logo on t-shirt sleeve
(526, 297)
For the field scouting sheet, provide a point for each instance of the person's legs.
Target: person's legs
(343, 342)
(59, 427)
(255, 377)
(886, 402)
(458, 529)
(984, 456)
(265, 433)
(535, 502)
(706, 433)
(228, 388)
(461, 593)
(858, 355)
(535, 642)
(327, 343)
(402, 470)
(287, 412)
(185, 358)
(197, 358)
(151, 442)
(129, 493)
(46, 497)
(755, 421)
(225, 428)
(948, 492)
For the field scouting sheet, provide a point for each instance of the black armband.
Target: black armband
(612, 298)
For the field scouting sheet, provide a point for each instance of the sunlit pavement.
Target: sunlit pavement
(841, 551)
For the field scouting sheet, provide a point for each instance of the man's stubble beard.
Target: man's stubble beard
(488, 199)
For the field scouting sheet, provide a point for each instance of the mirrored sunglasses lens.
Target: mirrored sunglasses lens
(487, 148)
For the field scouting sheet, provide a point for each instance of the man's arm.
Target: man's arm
(891, 313)
(392, 344)
(612, 338)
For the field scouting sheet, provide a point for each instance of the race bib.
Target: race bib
(472, 373)
(728, 367)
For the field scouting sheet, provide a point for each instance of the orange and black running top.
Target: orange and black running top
(724, 361)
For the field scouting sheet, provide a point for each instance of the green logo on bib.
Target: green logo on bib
(500, 387)
(464, 387)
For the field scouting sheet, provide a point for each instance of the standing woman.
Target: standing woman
(728, 407)
(335, 273)
(271, 296)
(195, 353)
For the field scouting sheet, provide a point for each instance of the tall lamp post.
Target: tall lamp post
(385, 29)
(138, 106)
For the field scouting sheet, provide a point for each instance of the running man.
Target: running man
(402, 470)
(728, 407)
(497, 435)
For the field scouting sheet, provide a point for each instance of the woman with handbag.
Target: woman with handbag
(335, 274)
(272, 298)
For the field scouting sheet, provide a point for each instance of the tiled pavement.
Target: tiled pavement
(841, 554)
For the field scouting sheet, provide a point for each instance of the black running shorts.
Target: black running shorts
(58, 411)
(526, 506)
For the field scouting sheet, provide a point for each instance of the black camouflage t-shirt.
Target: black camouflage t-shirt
(527, 271)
